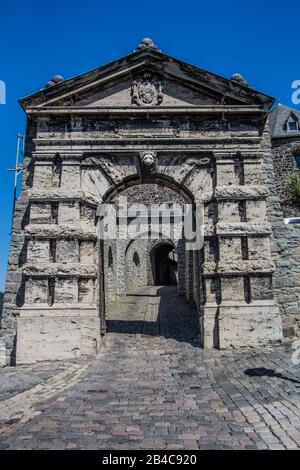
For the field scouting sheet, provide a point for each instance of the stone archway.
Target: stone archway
(148, 261)
(164, 265)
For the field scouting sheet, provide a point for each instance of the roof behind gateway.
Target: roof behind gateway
(278, 118)
(234, 91)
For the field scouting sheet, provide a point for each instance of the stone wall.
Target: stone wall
(286, 253)
(137, 265)
(284, 151)
(14, 294)
(285, 238)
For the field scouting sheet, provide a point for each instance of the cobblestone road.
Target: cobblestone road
(152, 387)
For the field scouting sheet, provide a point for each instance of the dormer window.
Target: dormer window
(292, 124)
(297, 161)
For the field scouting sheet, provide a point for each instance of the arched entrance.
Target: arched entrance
(164, 265)
(152, 269)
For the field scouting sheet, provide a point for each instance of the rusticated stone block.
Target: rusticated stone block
(38, 251)
(87, 252)
(86, 292)
(253, 172)
(232, 288)
(70, 175)
(65, 337)
(66, 290)
(259, 248)
(228, 211)
(67, 250)
(87, 214)
(36, 291)
(43, 173)
(236, 192)
(40, 213)
(212, 290)
(249, 326)
(230, 249)
(256, 210)
(69, 212)
(225, 173)
(261, 287)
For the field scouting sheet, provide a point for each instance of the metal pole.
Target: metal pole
(17, 170)
(16, 174)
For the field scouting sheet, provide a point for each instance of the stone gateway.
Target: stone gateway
(156, 130)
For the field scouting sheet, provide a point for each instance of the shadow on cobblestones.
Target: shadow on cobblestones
(263, 372)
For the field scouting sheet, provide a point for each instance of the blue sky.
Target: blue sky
(259, 39)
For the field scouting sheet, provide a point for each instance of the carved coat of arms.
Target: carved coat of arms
(147, 90)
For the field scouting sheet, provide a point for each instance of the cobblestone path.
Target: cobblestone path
(152, 387)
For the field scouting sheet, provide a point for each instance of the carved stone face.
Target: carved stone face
(148, 160)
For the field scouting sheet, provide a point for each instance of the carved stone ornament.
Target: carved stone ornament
(148, 161)
(147, 90)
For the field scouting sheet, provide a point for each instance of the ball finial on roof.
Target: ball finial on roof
(237, 77)
(54, 80)
(57, 79)
(147, 42)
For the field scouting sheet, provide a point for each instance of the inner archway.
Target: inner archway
(164, 265)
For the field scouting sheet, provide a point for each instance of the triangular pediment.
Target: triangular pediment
(146, 78)
(120, 93)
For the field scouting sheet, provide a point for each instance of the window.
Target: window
(51, 291)
(110, 258)
(52, 250)
(292, 124)
(136, 259)
(57, 170)
(297, 160)
(54, 212)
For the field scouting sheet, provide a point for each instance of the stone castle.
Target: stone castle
(158, 131)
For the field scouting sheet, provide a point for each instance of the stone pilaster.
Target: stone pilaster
(239, 283)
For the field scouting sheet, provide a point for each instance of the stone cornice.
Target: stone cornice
(222, 157)
(226, 157)
(45, 157)
(118, 141)
(130, 110)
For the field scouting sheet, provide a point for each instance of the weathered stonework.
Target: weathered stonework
(286, 241)
(158, 131)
